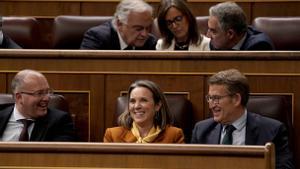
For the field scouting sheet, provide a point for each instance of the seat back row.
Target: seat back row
(68, 31)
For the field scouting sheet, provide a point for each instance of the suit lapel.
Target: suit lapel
(115, 42)
(251, 130)
(4, 117)
(215, 135)
(40, 129)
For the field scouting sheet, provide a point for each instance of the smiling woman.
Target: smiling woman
(147, 118)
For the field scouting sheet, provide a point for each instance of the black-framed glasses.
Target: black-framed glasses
(40, 93)
(215, 98)
(176, 20)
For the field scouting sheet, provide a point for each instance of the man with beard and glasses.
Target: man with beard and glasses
(30, 119)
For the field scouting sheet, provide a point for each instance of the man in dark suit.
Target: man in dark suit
(128, 30)
(30, 119)
(231, 122)
(228, 30)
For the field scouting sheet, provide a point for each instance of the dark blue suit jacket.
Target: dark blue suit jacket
(8, 43)
(259, 131)
(255, 40)
(105, 37)
(55, 126)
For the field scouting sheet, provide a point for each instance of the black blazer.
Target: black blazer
(105, 37)
(55, 126)
(8, 43)
(259, 131)
(255, 40)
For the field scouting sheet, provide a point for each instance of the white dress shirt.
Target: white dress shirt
(14, 127)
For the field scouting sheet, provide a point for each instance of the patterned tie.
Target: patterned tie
(24, 136)
(228, 135)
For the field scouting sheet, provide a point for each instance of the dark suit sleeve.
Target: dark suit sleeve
(150, 44)
(101, 37)
(194, 135)
(284, 158)
(64, 129)
(263, 45)
(92, 40)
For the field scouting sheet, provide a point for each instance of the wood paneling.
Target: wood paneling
(3, 84)
(43, 8)
(104, 74)
(106, 8)
(104, 155)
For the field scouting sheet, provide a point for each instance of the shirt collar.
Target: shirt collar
(240, 43)
(240, 122)
(17, 115)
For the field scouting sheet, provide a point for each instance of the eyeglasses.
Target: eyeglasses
(39, 93)
(176, 20)
(215, 98)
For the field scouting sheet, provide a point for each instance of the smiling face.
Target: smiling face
(223, 109)
(142, 107)
(177, 24)
(136, 31)
(32, 106)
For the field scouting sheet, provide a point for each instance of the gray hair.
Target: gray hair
(230, 16)
(126, 6)
(19, 79)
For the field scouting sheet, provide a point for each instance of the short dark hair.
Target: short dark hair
(234, 81)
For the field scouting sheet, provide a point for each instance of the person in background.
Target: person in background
(146, 119)
(228, 30)
(129, 29)
(228, 94)
(178, 28)
(5, 41)
(30, 119)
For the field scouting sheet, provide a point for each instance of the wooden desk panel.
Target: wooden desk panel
(103, 155)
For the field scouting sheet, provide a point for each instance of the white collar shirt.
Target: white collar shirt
(238, 135)
(14, 127)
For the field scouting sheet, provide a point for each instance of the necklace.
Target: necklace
(181, 46)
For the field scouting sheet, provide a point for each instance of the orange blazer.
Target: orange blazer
(123, 135)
